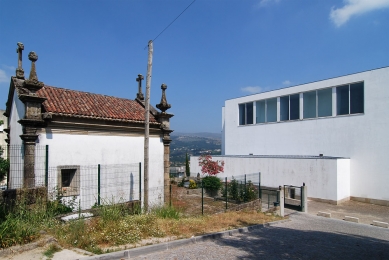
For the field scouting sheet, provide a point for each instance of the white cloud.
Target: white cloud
(287, 82)
(340, 16)
(263, 3)
(8, 67)
(252, 90)
(3, 76)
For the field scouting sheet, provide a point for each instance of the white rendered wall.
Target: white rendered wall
(363, 138)
(16, 151)
(73, 149)
(326, 179)
(17, 112)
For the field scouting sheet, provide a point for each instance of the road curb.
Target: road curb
(135, 252)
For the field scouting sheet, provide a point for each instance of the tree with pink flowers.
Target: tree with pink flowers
(210, 167)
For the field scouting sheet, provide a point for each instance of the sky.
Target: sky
(214, 51)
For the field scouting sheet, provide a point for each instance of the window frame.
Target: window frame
(266, 111)
(289, 107)
(338, 101)
(245, 113)
(74, 186)
(317, 103)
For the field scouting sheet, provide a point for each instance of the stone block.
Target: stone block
(380, 224)
(351, 219)
(324, 214)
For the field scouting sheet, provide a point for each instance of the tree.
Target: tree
(210, 167)
(187, 169)
(4, 165)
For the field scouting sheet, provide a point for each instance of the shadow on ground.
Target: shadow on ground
(280, 243)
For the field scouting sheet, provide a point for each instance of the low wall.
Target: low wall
(326, 178)
(31, 196)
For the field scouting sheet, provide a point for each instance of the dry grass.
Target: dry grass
(108, 232)
(190, 205)
(194, 226)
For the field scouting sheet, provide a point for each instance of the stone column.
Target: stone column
(29, 158)
(31, 121)
(164, 119)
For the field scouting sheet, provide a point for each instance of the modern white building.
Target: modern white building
(331, 134)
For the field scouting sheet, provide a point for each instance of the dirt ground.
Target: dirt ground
(190, 204)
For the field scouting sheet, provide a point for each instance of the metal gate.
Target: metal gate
(293, 197)
(269, 197)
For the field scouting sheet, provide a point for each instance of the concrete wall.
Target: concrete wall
(326, 178)
(360, 137)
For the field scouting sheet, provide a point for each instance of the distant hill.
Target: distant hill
(200, 134)
(193, 144)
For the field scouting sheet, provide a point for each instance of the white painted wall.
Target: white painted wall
(325, 178)
(363, 138)
(74, 149)
(16, 167)
(17, 112)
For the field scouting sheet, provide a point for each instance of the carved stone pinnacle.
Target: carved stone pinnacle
(139, 79)
(19, 70)
(33, 84)
(163, 105)
(20, 47)
(32, 56)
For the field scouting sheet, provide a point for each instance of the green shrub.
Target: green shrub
(233, 189)
(21, 223)
(4, 165)
(212, 183)
(251, 191)
(166, 212)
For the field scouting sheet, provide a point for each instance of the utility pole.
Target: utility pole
(147, 130)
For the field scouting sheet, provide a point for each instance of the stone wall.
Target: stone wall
(30, 196)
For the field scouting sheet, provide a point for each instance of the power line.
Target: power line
(173, 21)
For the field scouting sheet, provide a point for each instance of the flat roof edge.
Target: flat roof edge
(281, 156)
(385, 67)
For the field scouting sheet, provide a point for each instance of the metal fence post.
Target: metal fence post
(170, 190)
(304, 198)
(226, 192)
(259, 186)
(47, 166)
(245, 190)
(140, 183)
(268, 200)
(98, 184)
(202, 198)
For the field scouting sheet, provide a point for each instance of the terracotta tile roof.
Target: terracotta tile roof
(83, 104)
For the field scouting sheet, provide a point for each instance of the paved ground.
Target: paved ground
(38, 254)
(365, 212)
(304, 237)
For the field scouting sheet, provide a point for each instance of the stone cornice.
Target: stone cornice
(31, 122)
(31, 98)
(96, 127)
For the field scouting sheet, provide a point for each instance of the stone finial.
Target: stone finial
(33, 83)
(139, 95)
(19, 70)
(163, 105)
(33, 58)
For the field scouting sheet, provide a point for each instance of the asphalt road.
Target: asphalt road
(303, 237)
